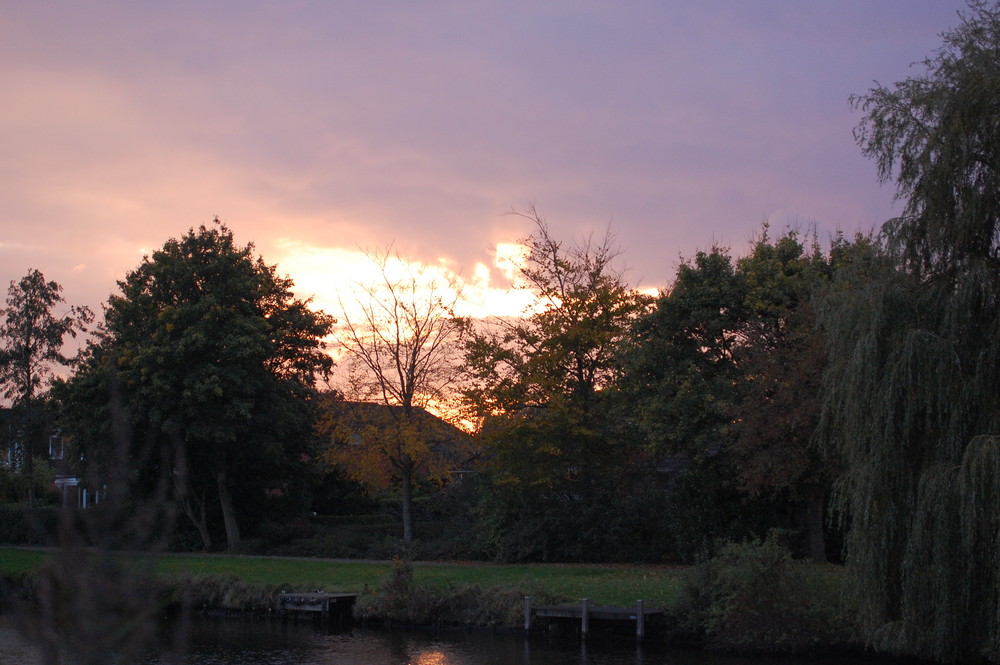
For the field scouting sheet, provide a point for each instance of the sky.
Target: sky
(317, 130)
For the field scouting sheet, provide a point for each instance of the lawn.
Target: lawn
(603, 585)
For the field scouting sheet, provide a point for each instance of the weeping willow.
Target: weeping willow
(912, 396)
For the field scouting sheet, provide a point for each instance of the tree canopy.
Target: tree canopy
(682, 372)
(212, 351)
(31, 340)
(725, 371)
(32, 335)
(539, 385)
(912, 398)
(566, 348)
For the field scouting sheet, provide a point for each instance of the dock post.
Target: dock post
(527, 613)
(584, 616)
(640, 619)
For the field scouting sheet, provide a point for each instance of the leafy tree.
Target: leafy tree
(402, 345)
(83, 402)
(682, 372)
(684, 382)
(537, 386)
(31, 341)
(566, 349)
(912, 397)
(783, 357)
(728, 366)
(214, 357)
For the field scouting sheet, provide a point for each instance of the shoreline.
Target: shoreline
(425, 595)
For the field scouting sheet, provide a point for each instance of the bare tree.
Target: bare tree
(401, 340)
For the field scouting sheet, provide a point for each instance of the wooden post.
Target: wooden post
(584, 616)
(527, 613)
(640, 620)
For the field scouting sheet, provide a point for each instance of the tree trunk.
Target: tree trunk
(29, 471)
(814, 525)
(200, 520)
(27, 449)
(407, 505)
(228, 514)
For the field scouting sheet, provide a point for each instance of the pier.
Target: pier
(318, 604)
(585, 612)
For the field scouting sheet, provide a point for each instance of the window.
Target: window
(56, 447)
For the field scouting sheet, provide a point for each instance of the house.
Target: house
(355, 423)
(49, 445)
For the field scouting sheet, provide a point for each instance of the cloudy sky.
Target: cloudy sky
(317, 128)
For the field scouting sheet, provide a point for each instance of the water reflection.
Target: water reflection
(14, 649)
(274, 643)
(232, 642)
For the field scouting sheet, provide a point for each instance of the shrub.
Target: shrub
(15, 485)
(226, 592)
(400, 600)
(753, 597)
(376, 519)
(20, 525)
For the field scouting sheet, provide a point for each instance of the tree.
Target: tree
(681, 361)
(912, 396)
(537, 385)
(783, 356)
(32, 338)
(213, 353)
(726, 368)
(684, 384)
(565, 349)
(401, 338)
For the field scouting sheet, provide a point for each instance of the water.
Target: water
(14, 649)
(238, 642)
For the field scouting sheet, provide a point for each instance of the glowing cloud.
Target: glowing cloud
(330, 276)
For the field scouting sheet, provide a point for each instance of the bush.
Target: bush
(362, 537)
(399, 600)
(15, 485)
(225, 592)
(753, 597)
(375, 520)
(703, 511)
(581, 520)
(20, 525)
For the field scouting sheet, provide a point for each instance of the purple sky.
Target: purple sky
(315, 128)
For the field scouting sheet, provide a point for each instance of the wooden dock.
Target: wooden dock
(318, 603)
(584, 612)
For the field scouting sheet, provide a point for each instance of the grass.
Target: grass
(603, 585)
(14, 561)
(298, 574)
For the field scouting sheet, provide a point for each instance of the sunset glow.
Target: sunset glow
(313, 130)
(332, 276)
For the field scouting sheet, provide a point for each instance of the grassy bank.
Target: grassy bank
(603, 585)
(751, 597)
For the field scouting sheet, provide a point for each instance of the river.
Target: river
(239, 642)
